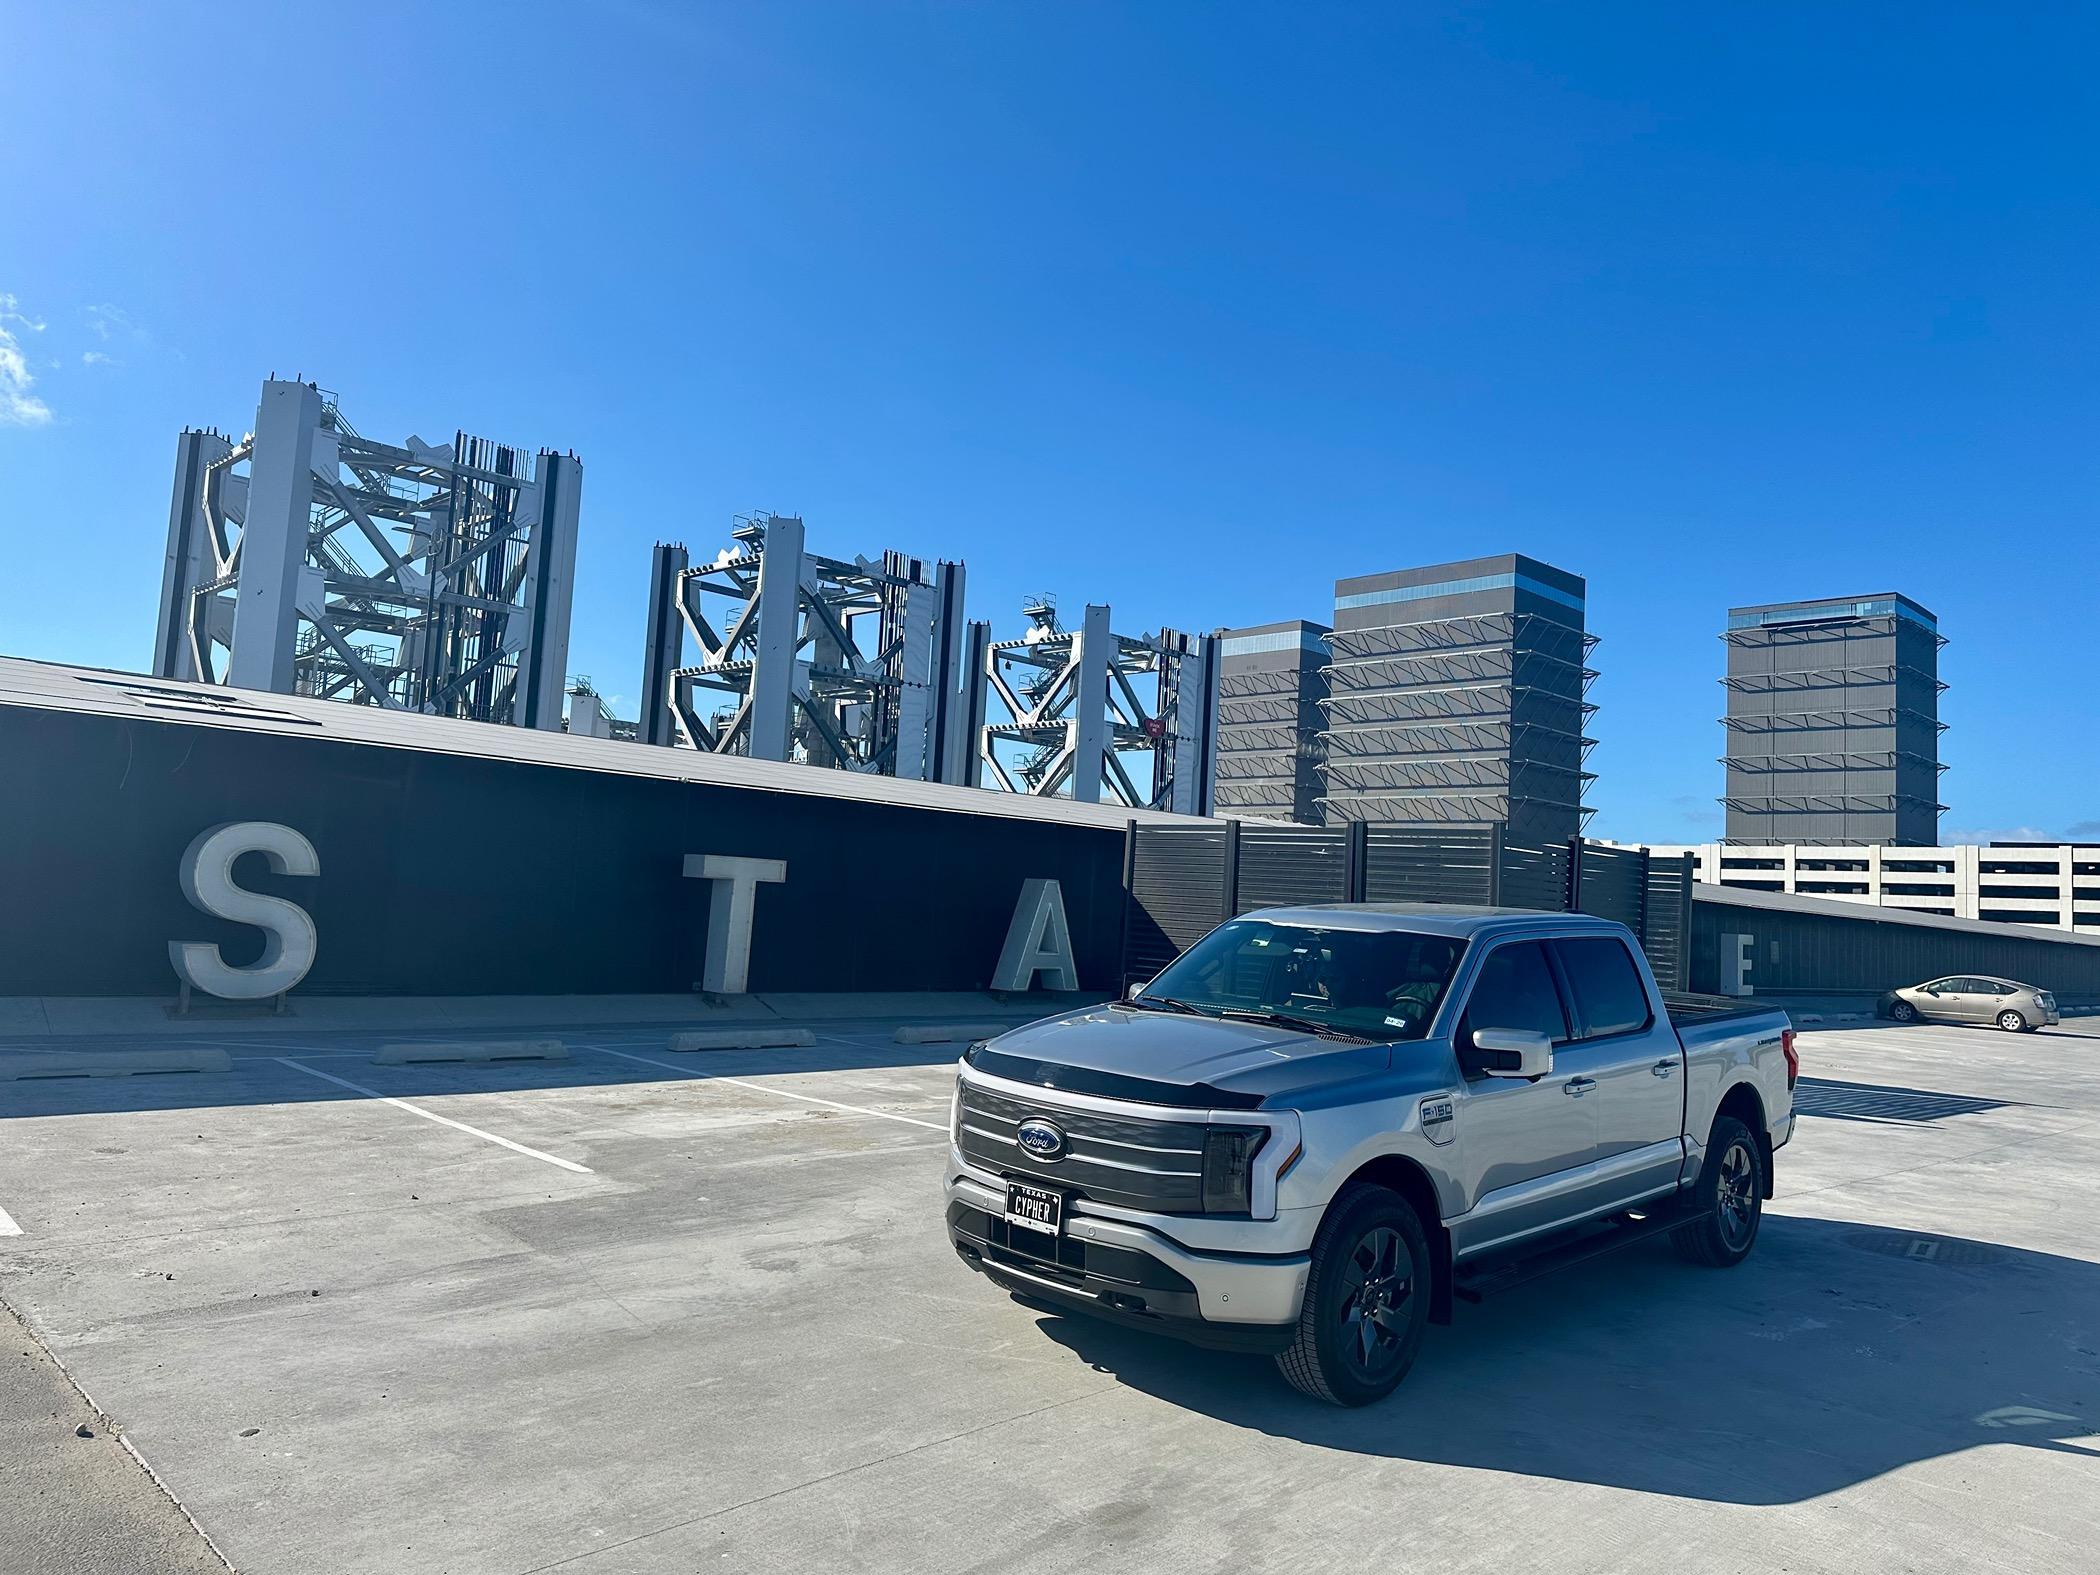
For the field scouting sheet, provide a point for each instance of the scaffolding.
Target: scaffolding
(308, 559)
(1088, 712)
(853, 665)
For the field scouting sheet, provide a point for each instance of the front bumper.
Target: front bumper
(1130, 1275)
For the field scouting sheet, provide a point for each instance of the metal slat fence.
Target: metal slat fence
(1180, 882)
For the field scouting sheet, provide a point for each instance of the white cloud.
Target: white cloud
(95, 358)
(112, 322)
(19, 406)
(11, 312)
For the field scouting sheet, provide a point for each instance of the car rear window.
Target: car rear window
(1609, 997)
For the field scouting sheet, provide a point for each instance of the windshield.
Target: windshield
(1378, 984)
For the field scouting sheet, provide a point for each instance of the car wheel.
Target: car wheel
(1367, 1300)
(2012, 1022)
(1728, 1199)
(1903, 1012)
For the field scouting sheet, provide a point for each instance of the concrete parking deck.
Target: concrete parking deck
(638, 1312)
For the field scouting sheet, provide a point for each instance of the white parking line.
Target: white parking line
(780, 1093)
(431, 1115)
(7, 1225)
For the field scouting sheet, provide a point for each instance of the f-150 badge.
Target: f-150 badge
(1436, 1118)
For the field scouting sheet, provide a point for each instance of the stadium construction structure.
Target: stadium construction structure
(869, 665)
(1088, 712)
(305, 558)
(853, 664)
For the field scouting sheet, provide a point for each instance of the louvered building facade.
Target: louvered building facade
(1833, 723)
(1271, 682)
(1456, 697)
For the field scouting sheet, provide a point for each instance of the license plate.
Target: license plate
(1034, 1208)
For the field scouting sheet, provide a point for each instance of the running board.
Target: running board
(1479, 1284)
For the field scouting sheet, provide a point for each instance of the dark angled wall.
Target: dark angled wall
(1824, 953)
(457, 875)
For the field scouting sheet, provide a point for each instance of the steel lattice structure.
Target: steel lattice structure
(850, 664)
(1075, 721)
(307, 559)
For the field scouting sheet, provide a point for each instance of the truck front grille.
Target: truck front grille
(1132, 1161)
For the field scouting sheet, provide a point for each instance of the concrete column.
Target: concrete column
(779, 622)
(1966, 901)
(1092, 655)
(958, 683)
(273, 537)
(191, 558)
(962, 758)
(665, 644)
(546, 675)
(917, 697)
(1195, 748)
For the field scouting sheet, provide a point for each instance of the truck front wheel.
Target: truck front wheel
(1366, 1300)
(1727, 1200)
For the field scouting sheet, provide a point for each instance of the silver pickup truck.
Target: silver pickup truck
(1319, 1127)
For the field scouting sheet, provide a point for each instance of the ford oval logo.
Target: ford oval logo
(1040, 1140)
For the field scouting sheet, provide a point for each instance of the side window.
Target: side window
(1609, 997)
(1515, 990)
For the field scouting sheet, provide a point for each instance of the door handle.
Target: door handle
(1663, 1068)
(1578, 1086)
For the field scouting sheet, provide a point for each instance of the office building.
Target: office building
(1272, 680)
(1456, 698)
(1833, 723)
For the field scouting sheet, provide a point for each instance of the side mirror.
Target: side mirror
(1513, 1052)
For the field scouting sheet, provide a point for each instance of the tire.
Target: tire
(1371, 1240)
(1728, 1199)
(1902, 1012)
(2012, 1022)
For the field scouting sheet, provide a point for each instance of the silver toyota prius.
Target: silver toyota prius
(1972, 998)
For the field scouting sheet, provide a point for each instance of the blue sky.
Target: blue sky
(1186, 308)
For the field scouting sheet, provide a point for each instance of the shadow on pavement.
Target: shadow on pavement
(1881, 1102)
(1837, 1353)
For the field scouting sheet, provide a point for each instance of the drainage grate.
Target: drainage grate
(1873, 1102)
(1950, 1250)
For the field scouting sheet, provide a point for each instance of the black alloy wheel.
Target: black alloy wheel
(1727, 1201)
(1379, 1281)
(1736, 1198)
(1367, 1296)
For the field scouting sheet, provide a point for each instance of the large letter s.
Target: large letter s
(207, 880)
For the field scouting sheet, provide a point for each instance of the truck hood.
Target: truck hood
(1171, 1058)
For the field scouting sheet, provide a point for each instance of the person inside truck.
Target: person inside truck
(1428, 969)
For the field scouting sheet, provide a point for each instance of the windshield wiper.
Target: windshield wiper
(1167, 1003)
(1303, 1025)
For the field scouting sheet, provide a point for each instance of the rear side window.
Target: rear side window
(1607, 987)
(1515, 990)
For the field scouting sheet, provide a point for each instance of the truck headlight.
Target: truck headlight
(1228, 1168)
